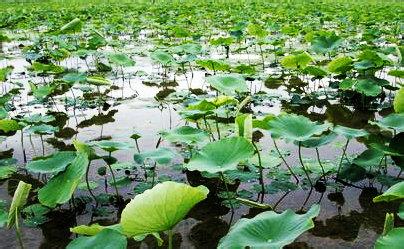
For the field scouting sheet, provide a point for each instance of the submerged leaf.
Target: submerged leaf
(106, 239)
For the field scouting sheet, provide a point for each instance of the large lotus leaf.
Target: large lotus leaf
(296, 61)
(8, 125)
(162, 57)
(228, 84)
(215, 65)
(392, 121)
(369, 158)
(394, 239)
(38, 118)
(53, 163)
(340, 65)
(198, 110)
(294, 127)
(98, 81)
(160, 208)
(349, 133)
(121, 60)
(395, 192)
(106, 239)
(6, 171)
(221, 155)
(317, 141)
(160, 156)
(74, 77)
(4, 72)
(42, 129)
(368, 87)
(399, 101)
(112, 146)
(185, 134)
(326, 43)
(269, 229)
(19, 200)
(60, 188)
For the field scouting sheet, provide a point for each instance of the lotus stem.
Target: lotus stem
(286, 163)
(342, 157)
(88, 185)
(17, 230)
(113, 178)
(261, 179)
(170, 239)
(320, 163)
(227, 192)
(303, 167)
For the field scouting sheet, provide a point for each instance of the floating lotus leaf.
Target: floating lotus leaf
(269, 229)
(317, 141)
(294, 127)
(349, 133)
(228, 84)
(296, 61)
(160, 156)
(394, 239)
(42, 129)
(392, 121)
(112, 146)
(51, 164)
(74, 77)
(399, 101)
(185, 134)
(60, 188)
(395, 192)
(106, 239)
(160, 208)
(121, 59)
(222, 155)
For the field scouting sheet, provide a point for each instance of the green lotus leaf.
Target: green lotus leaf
(3, 213)
(198, 110)
(42, 129)
(296, 61)
(106, 239)
(98, 81)
(5, 72)
(94, 229)
(315, 71)
(185, 134)
(244, 126)
(121, 59)
(160, 208)
(214, 65)
(295, 127)
(369, 158)
(8, 125)
(269, 229)
(54, 163)
(394, 239)
(74, 77)
(393, 121)
(396, 73)
(91, 185)
(85, 148)
(160, 156)
(6, 171)
(112, 146)
(19, 200)
(46, 68)
(38, 118)
(349, 133)
(396, 144)
(60, 188)
(162, 57)
(73, 26)
(368, 87)
(229, 84)
(41, 92)
(399, 101)
(325, 43)
(347, 84)
(340, 65)
(317, 141)
(35, 214)
(395, 192)
(222, 155)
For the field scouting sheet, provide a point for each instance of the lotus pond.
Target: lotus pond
(201, 124)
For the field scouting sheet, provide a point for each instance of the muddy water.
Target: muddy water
(348, 219)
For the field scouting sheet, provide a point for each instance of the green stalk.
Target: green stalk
(17, 230)
(261, 179)
(227, 191)
(320, 163)
(342, 157)
(286, 163)
(170, 239)
(113, 178)
(301, 162)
